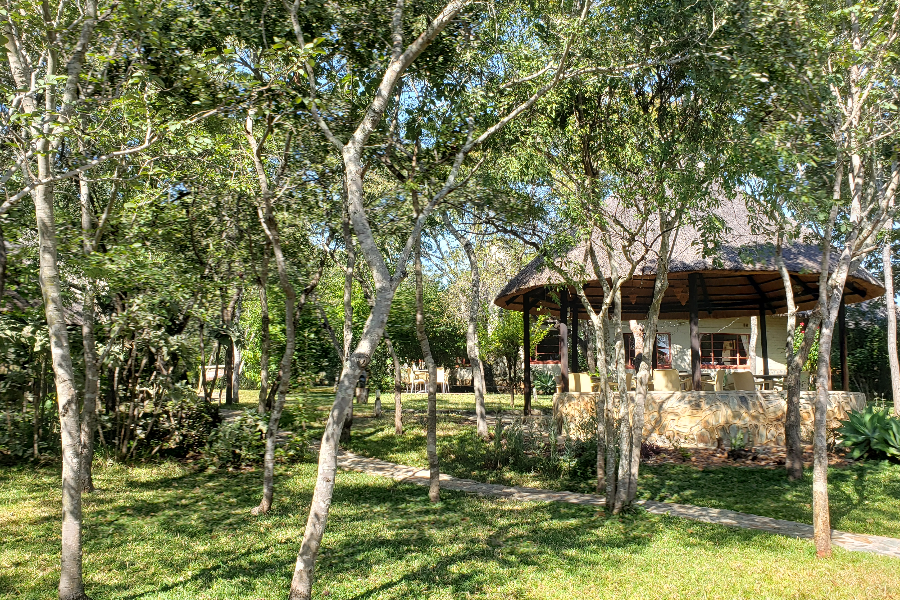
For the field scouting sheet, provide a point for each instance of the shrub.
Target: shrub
(544, 382)
(241, 442)
(871, 433)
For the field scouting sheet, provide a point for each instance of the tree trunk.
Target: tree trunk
(795, 361)
(349, 268)
(283, 387)
(398, 388)
(385, 283)
(887, 256)
(626, 410)
(472, 345)
(434, 489)
(270, 226)
(91, 364)
(228, 378)
(264, 342)
(610, 416)
(71, 585)
(91, 389)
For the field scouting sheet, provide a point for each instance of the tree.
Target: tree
(472, 345)
(402, 58)
(894, 363)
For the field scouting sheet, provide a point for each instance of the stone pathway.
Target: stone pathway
(850, 541)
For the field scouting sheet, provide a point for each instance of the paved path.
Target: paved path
(851, 541)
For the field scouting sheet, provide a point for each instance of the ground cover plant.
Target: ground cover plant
(166, 531)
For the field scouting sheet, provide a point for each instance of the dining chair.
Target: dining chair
(743, 381)
(666, 380)
(717, 384)
(442, 379)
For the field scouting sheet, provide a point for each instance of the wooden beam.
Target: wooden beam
(573, 366)
(693, 305)
(526, 337)
(564, 339)
(805, 286)
(709, 304)
(763, 298)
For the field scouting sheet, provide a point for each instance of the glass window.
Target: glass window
(724, 350)
(662, 355)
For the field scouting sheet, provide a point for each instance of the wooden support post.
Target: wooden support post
(763, 340)
(694, 307)
(842, 342)
(526, 337)
(574, 366)
(564, 339)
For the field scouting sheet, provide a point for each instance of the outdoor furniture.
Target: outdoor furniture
(580, 382)
(406, 375)
(770, 382)
(743, 381)
(717, 384)
(420, 378)
(442, 379)
(666, 380)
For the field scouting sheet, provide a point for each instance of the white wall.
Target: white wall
(681, 340)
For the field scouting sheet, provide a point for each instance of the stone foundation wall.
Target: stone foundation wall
(700, 418)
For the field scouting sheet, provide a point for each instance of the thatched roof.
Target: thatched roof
(739, 280)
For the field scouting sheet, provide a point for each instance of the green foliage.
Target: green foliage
(812, 360)
(544, 382)
(502, 343)
(241, 442)
(871, 433)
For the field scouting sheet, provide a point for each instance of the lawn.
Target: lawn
(166, 532)
(864, 497)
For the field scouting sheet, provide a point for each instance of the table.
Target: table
(770, 380)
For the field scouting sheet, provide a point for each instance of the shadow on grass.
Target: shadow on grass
(863, 497)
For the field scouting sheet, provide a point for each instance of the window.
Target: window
(724, 350)
(662, 355)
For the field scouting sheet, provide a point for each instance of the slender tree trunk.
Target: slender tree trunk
(385, 283)
(472, 345)
(610, 417)
(290, 297)
(887, 257)
(398, 388)
(71, 585)
(828, 310)
(91, 388)
(304, 571)
(434, 490)
(264, 342)
(377, 409)
(237, 360)
(91, 366)
(626, 411)
(349, 269)
(795, 360)
(228, 378)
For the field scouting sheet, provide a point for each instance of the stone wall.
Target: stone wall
(700, 418)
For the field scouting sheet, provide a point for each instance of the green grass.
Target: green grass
(864, 497)
(164, 532)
